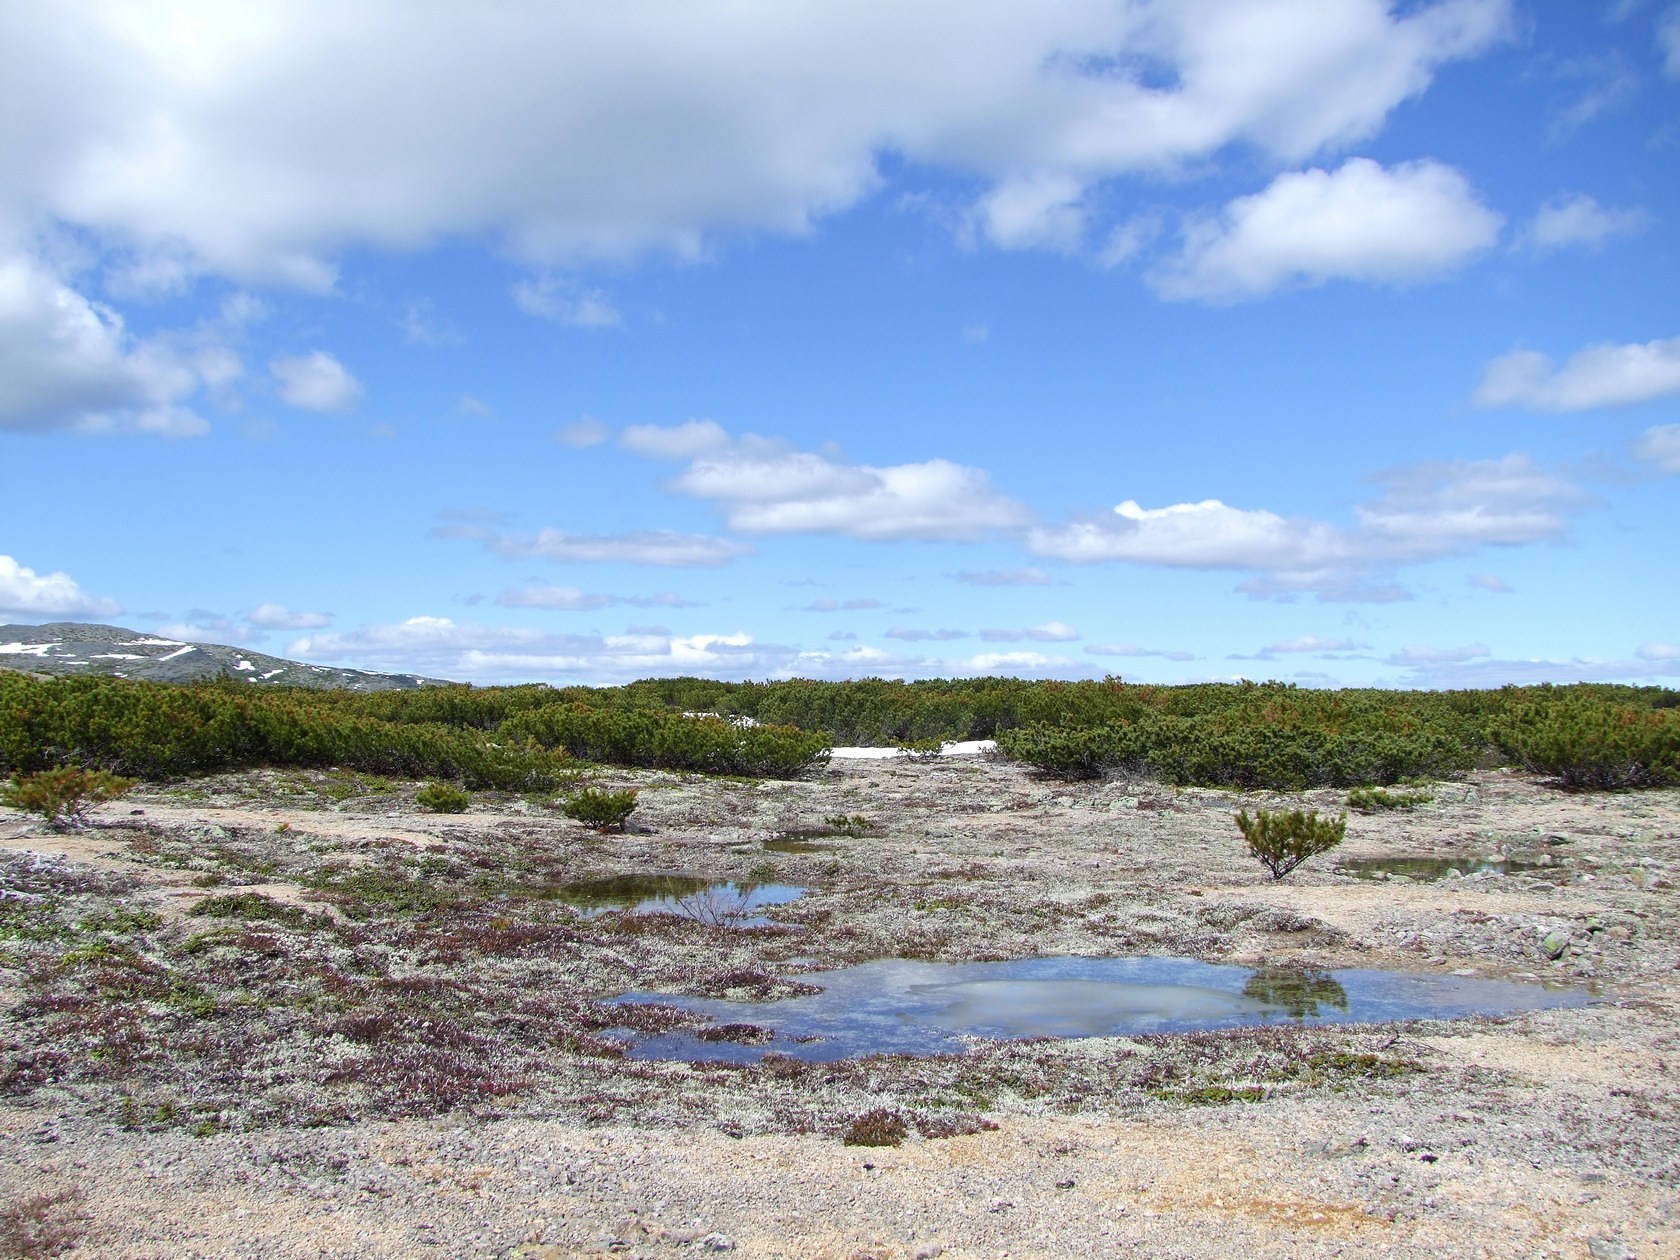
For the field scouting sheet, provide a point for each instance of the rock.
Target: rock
(929, 1251)
(717, 1242)
(1555, 942)
(1345, 1146)
(1608, 1249)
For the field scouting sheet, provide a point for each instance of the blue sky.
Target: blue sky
(1174, 339)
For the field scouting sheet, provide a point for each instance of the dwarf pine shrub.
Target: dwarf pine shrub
(442, 798)
(600, 809)
(63, 796)
(1283, 839)
(1584, 743)
(1368, 800)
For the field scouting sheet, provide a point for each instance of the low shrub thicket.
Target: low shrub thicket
(666, 740)
(1585, 743)
(442, 798)
(1369, 800)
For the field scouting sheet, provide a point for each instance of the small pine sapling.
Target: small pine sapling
(1283, 839)
(602, 810)
(443, 798)
(62, 797)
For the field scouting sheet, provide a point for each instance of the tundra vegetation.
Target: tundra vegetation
(1283, 839)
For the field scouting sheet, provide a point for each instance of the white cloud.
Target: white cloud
(647, 546)
(67, 362)
(1313, 643)
(1013, 663)
(1668, 40)
(565, 132)
(279, 617)
(1132, 649)
(1660, 445)
(439, 647)
(1489, 582)
(572, 599)
(762, 487)
(1603, 375)
(1487, 672)
(1423, 654)
(1580, 220)
(566, 302)
(315, 382)
(1208, 535)
(26, 593)
(1425, 512)
(1049, 632)
(1004, 577)
(674, 441)
(477, 408)
(1399, 225)
(1039, 211)
(1659, 652)
(422, 326)
(582, 433)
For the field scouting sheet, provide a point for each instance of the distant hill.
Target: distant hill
(71, 647)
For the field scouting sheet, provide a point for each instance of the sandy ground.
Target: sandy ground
(1554, 1133)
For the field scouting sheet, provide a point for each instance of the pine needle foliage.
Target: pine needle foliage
(1283, 839)
(63, 796)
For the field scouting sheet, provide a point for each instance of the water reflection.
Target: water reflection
(712, 901)
(905, 1007)
(1302, 993)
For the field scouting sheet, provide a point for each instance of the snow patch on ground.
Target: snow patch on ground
(953, 748)
(151, 643)
(245, 665)
(182, 652)
(119, 656)
(26, 649)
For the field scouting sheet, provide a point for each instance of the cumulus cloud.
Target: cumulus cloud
(567, 132)
(1004, 577)
(1400, 225)
(582, 433)
(566, 302)
(1039, 211)
(279, 617)
(1659, 652)
(1208, 535)
(1580, 220)
(1132, 649)
(1603, 375)
(762, 486)
(647, 546)
(674, 441)
(1660, 446)
(315, 382)
(1424, 512)
(572, 599)
(26, 593)
(1049, 632)
(68, 362)
(1488, 671)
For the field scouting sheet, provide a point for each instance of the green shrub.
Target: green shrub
(443, 798)
(63, 796)
(1585, 743)
(602, 810)
(1283, 839)
(1368, 800)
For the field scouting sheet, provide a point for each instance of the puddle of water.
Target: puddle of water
(1431, 869)
(800, 842)
(707, 900)
(902, 1007)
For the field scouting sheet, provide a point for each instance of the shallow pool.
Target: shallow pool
(902, 1007)
(707, 900)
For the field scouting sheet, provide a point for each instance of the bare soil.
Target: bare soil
(402, 1045)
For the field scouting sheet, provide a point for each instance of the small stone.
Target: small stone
(717, 1242)
(1346, 1146)
(929, 1251)
(1608, 1249)
(1555, 942)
